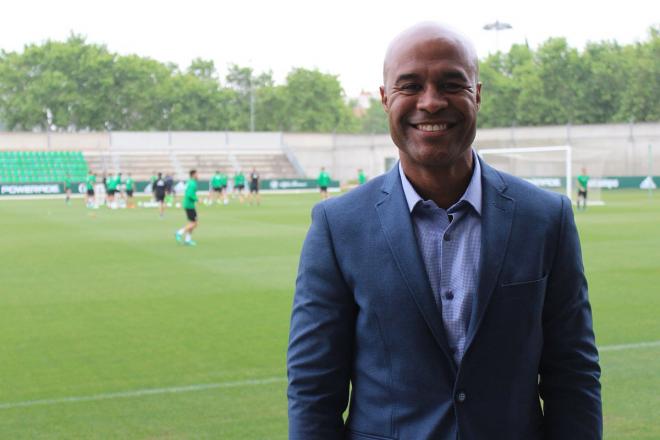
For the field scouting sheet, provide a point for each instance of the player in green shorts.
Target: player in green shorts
(582, 181)
(189, 200)
(67, 189)
(323, 181)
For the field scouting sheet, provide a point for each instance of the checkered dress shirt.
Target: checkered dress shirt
(450, 245)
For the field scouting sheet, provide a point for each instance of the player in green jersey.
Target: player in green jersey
(362, 178)
(90, 181)
(223, 186)
(239, 184)
(189, 200)
(130, 187)
(582, 181)
(111, 183)
(120, 190)
(67, 189)
(323, 181)
(216, 187)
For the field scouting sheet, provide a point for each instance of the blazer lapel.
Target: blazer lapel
(398, 228)
(496, 220)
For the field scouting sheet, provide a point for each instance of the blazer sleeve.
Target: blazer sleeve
(569, 371)
(321, 338)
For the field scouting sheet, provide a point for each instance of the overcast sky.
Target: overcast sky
(343, 37)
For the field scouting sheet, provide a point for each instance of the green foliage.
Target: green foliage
(82, 86)
(556, 84)
(375, 118)
(640, 99)
(316, 103)
(75, 85)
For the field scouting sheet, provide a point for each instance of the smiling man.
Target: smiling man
(457, 306)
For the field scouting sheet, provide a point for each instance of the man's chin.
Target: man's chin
(435, 157)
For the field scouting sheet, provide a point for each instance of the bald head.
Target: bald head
(426, 33)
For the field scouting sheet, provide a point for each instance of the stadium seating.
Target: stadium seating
(41, 166)
(53, 166)
(142, 165)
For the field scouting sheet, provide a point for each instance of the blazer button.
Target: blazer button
(461, 396)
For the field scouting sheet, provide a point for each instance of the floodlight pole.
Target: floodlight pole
(251, 105)
(497, 26)
(49, 121)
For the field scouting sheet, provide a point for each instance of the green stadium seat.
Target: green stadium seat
(41, 166)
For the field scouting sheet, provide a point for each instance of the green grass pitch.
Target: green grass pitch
(110, 330)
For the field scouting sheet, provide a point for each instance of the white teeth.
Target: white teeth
(432, 127)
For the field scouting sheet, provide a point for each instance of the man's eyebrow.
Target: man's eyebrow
(455, 74)
(452, 74)
(406, 77)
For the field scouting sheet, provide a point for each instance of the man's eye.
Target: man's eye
(411, 87)
(452, 87)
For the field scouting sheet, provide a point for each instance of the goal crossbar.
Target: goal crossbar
(565, 148)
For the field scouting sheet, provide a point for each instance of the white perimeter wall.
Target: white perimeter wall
(624, 147)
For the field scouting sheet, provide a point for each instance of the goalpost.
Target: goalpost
(513, 152)
(551, 167)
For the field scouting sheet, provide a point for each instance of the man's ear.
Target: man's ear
(383, 98)
(478, 96)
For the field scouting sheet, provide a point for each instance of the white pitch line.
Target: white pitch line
(144, 392)
(211, 386)
(629, 346)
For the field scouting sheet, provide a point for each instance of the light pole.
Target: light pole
(497, 26)
(49, 123)
(251, 104)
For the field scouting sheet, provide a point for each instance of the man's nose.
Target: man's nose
(431, 100)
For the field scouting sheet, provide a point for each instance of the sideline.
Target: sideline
(144, 392)
(629, 346)
(220, 385)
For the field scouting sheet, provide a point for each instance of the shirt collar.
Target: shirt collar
(472, 194)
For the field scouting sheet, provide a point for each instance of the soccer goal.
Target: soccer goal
(551, 167)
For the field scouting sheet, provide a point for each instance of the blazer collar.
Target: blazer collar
(399, 232)
(497, 218)
(496, 222)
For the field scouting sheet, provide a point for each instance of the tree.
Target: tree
(75, 85)
(66, 80)
(315, 103)
(374, 119)
(246, 86)
(639, 100)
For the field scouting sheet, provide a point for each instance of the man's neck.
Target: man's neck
(443, 185)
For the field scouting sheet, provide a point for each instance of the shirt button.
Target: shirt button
(461, 396)
(447, 237)
(449, 295)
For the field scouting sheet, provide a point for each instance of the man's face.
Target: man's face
(432, 98)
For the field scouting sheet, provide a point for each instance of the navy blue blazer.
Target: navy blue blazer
(364, 323)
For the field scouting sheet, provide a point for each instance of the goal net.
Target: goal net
(552, 167)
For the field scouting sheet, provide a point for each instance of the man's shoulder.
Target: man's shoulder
(529, 196)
